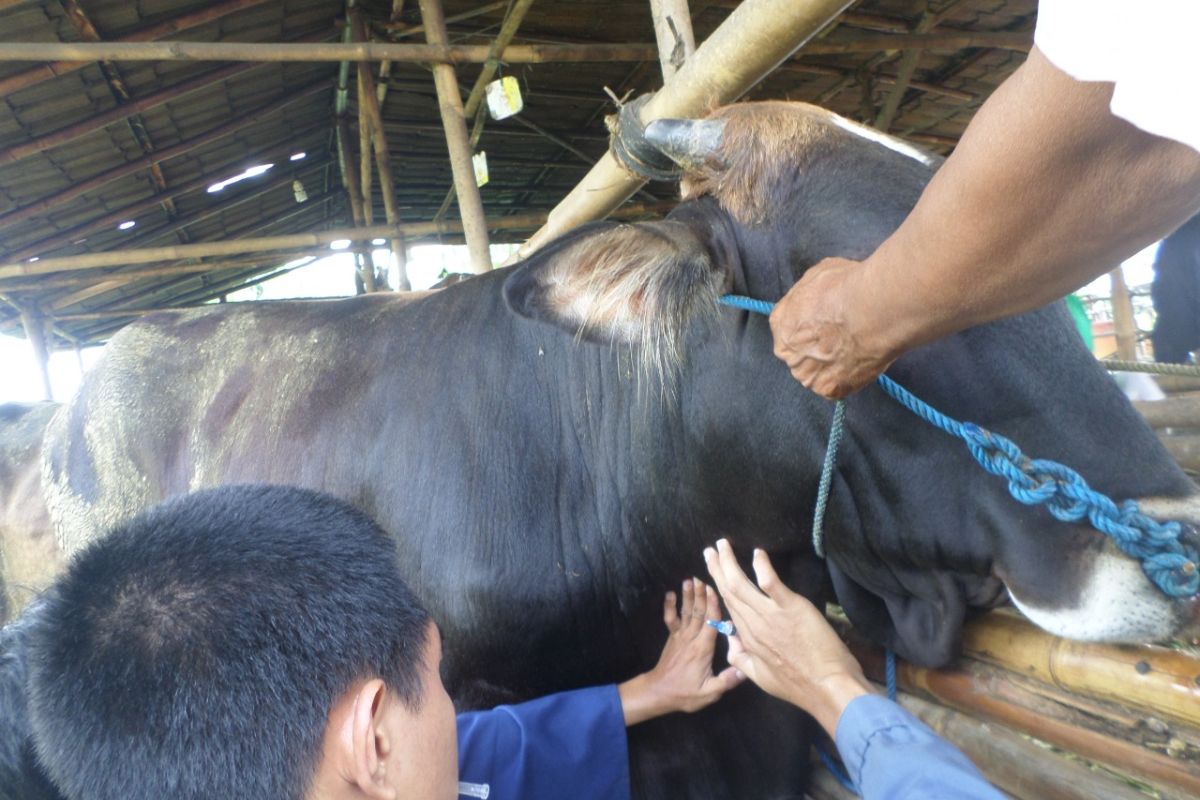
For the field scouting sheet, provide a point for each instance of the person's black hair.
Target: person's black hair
(21, 776)
(196, 651)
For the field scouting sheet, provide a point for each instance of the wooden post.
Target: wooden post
(673, 30)
(472, 109)
(749, 44)
(35, 331)
(470, 204)
(369, 98)
(1123, 322)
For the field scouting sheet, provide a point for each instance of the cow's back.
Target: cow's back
(29, 554)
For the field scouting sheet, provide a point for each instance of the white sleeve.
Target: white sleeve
(1147, 49)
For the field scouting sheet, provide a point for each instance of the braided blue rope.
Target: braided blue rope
(1168, 562)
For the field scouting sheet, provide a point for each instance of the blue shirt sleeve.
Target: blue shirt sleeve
(570, 745)
(890, 754)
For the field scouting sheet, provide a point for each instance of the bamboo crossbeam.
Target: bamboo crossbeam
(115, 258)
(46, 204)
(122, 278)
(748, 45)
(83, 52)
(326, 51)
(60, 65)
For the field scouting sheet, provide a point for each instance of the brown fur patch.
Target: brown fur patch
(636, 284)
(762, 143)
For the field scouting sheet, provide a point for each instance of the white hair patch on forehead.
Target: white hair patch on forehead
(891, 142)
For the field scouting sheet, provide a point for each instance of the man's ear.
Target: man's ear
(368, 741)
(925, 630)
(614, 282)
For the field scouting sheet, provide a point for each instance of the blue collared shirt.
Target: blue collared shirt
(570, 745)
(892, 755)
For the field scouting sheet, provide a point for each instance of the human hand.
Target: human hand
(783, 642)
(683, 678)
(824, 333)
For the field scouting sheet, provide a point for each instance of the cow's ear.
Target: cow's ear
(613, 282)
(925, 630)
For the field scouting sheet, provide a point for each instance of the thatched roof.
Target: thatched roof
(67, 179)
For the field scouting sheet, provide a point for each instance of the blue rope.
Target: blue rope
(835, 438)
(1168, 562)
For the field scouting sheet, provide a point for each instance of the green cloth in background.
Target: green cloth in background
(1079, 314)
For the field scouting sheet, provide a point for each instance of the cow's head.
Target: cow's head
(917, 534)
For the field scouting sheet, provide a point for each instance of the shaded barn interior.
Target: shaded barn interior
(85, 147)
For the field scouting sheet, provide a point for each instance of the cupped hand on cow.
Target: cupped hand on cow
(783, 642)
(683, 678)
(826, 334)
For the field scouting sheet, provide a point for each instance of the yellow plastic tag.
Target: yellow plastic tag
(504, 97)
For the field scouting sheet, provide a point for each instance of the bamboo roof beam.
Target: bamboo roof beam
(231, 126)
(904, 74)
(72, 235)
(63, 65)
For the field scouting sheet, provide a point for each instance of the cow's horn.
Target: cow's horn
(687, 142)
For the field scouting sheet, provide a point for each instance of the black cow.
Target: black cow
(553, 444)
(1176, 295)
(21, 777)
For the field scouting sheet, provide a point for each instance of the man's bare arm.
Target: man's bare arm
(1046, 191)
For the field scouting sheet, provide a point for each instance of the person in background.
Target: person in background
(784, 644)
(258, 642)
(1081, 158)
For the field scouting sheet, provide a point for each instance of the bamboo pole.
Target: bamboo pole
(383, 157)
(46, 204)
(1122, 309)
(35, 333)
(1155, 679)
(1001, 700)
(64, 238)
(117, 258)
(131, 276)
(673, 33)
(472, 109)
(470, 204)
(1013, 763)
(752, 41)
(61, 65)
(1173, 412)
(84, 52)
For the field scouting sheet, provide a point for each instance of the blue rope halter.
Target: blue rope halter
(1168, 562)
